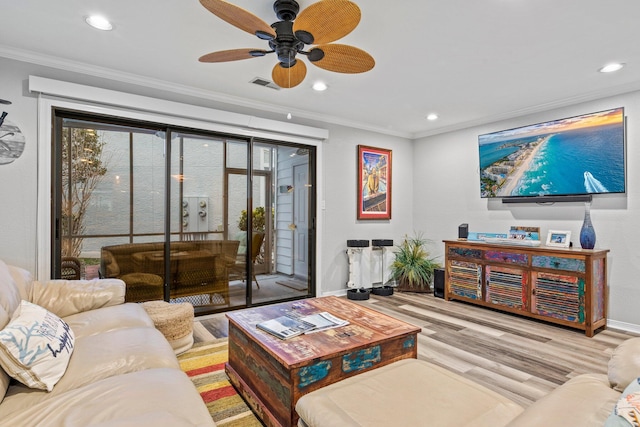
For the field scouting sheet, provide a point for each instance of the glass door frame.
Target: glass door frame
(56, 181)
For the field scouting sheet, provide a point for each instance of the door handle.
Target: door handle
(292, 227)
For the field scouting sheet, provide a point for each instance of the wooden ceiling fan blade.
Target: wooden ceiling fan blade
(342, 58)
(328, 20)
(231, 55)
(238, 17)
(289, 77)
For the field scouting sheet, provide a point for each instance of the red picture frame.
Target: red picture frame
(374, 183)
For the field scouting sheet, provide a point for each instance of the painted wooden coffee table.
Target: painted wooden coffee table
(272, 374)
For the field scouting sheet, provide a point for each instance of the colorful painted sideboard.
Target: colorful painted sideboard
(558, 285)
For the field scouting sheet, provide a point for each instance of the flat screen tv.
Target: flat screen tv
(574, 156)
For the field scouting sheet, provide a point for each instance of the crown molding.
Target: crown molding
(591, 96)
(190, 91)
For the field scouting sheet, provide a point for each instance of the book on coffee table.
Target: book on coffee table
(285, 327)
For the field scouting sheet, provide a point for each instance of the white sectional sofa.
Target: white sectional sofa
(120, 371)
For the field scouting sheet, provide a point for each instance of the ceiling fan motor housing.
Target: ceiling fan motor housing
(286, 10)
(286, 45)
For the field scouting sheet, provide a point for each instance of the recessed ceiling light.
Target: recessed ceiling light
(99, 22)
(320, 86)
(610, 68)
(432, 117)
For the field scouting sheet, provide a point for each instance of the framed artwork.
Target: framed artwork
(374, 183)
(559, 238)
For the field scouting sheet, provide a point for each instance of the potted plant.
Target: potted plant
(413, 266)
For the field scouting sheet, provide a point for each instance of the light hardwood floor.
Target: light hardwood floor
(520, 358)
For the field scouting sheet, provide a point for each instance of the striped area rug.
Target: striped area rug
(204, 364)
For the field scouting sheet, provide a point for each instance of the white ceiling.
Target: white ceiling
(469, 61)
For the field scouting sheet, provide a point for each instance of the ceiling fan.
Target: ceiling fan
(318, 25)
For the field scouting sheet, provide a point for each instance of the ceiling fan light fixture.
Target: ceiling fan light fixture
(99, 22)
(319, 86)
(610, 68)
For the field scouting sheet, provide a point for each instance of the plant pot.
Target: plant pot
(358, 294)
(403, 286)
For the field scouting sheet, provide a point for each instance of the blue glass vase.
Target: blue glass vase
(587, 233)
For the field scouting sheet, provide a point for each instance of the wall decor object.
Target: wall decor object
(374, 183)
(555, 160)
(11, 141)
(558, 238)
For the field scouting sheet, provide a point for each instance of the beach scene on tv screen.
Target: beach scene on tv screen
(575, 155)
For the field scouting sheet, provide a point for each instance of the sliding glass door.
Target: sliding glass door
(166, 211)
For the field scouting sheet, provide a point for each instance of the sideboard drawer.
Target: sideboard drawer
(506, 257)
(559, 263)
(467, 253)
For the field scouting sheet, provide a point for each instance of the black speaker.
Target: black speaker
(463, 231)
(381, 242)
(438, 282)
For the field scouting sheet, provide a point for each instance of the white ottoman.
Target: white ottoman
(408, 392)
(175, 321)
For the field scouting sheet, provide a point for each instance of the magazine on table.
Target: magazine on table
(324, 321)
(285, 327)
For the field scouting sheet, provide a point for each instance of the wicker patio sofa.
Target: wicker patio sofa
(197, 268)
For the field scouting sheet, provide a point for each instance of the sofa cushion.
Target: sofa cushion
(585, 401)
(67, 297)
(153, 397)
(408, 392)
(107, 319)
(35, 347)
(627, 408)
(101, 356)
(624, 365)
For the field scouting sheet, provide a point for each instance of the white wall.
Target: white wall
(447, 193)
(18, 179)
(340, 155)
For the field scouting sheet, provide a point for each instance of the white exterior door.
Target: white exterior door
(301, 221)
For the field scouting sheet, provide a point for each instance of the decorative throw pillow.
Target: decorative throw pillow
(627, 411)
(35, 347)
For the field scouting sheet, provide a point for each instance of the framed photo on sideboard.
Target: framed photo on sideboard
(559, 238)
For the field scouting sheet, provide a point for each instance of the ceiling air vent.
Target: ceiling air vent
(264, 82)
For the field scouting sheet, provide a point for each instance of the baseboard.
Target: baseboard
(338, 293)
(628, 327)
